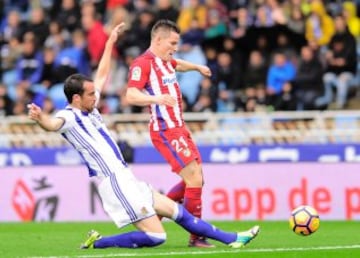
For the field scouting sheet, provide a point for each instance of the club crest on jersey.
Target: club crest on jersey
(136, 73)
(187, 153)
(168, 79)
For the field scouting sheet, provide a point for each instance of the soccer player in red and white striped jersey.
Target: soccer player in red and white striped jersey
(152, 82)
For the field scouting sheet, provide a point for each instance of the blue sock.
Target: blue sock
(133, 239)
(201, 228)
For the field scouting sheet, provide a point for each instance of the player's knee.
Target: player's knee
(157, 238)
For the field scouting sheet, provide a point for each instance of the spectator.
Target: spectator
(113, 5)
(38, 25)
(353, 22)
(229, 46)
(263, 17)
(239, 26)
(207, 96)
(194, 36)
(48, 106)
(277, 12)
(30, 64)
(211, 61)
(341, 63)
(6, 103)
(189, 82)
(296, 21)
(68, 15)
(278, 88)
(73, 59)
(255, 81)
(49, 75)
(308, 83)
(284, 45)
(195, 11)
(216, 6)
(166, 10)
(12, 28)
(10, 52)
(216, 27)
(319, 26)
(118, 15)
(96, 37)
(228, 81)
(139, 34)
(262, 45)
(58, 37)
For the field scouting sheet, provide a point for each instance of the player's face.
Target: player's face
(168, 45)
(88, 98)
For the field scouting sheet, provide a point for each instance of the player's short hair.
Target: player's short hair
(165, 26)
(74, 84)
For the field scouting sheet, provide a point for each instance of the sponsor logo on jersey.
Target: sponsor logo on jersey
(136, 73)
(169, 79)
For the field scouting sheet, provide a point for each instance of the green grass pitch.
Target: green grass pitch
(62, 240)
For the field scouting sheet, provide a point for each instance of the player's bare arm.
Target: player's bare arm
(46, 122)
(135, 97)
(102, 73)
(184, 66)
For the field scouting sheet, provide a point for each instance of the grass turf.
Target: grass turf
(334, 239)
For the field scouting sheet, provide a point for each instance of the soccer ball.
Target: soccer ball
(304, 220)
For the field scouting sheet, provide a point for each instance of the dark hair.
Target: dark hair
(165, 25)
(74, 84)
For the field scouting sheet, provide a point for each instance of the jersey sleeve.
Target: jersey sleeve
(69, 119)
(173, 63)
(139, 73)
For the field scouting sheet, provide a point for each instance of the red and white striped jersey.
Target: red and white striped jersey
(154, 76)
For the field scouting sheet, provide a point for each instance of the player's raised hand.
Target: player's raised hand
(167, 100)
(116, 32)
(204, 70)
(34, 112)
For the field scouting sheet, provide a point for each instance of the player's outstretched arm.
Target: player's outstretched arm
(184, 66)
(103, 70)
(46, 122)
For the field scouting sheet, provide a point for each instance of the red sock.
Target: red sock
(177, 192)
(192, 202)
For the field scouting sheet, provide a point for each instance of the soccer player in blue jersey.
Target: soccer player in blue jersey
(126, 199)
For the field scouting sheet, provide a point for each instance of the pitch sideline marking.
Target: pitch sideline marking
(258, 250)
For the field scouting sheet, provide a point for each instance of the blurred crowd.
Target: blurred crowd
(264, 54)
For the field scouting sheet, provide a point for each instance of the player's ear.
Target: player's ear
(157, 39)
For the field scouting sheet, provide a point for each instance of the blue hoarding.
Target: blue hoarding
(210, 154)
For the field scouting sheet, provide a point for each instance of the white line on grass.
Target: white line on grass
(258, 250)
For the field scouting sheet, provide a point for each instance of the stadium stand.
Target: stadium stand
(210, 128)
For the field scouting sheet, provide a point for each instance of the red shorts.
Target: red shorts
(176, 146)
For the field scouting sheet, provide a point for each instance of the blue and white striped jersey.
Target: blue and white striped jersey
(88, 134)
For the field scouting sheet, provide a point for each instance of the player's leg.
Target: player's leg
(177, 147)
(168, 208)
(176, 193)
(151, 233)
(128, 201)
(193, 178)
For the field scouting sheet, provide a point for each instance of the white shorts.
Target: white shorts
(125, 198)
